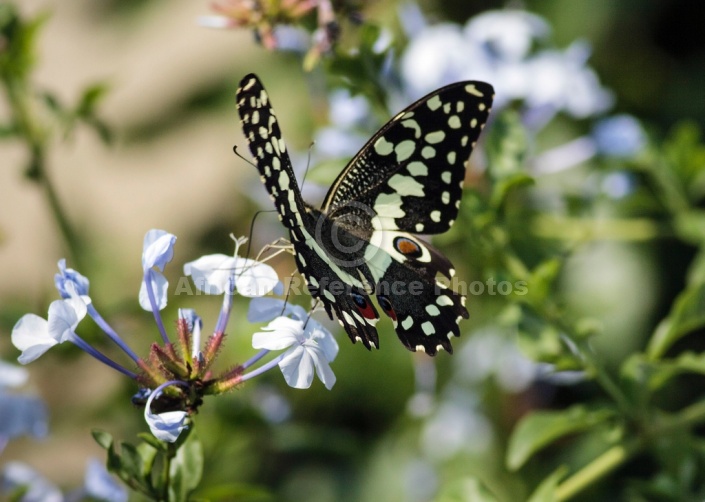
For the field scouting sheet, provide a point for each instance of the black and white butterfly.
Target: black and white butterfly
(406, 180)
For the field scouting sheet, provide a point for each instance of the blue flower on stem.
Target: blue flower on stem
(176, 375)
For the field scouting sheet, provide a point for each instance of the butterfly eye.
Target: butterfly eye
(386, 306)
(407, 247)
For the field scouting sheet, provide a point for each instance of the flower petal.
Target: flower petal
(211, 273)
(325, 374)
(158, 249)
(325, 341)
(159, 287)
(266, 309)
(64, 316)
(281, 333)
(166, 426)
(68, 276)
(31, 336)
(297, 367)
(255, 279)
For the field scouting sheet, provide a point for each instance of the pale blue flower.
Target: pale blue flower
(68, 281)
(619, 136)
(508, 49)
(19, 414)
(166, 426)
(157, 251)
(17, 475)
(101, 485)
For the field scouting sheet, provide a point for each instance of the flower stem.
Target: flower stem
(265, 367)
(254, 358)
(602, 465)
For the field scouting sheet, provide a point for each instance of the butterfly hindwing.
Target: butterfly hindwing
(409, 175)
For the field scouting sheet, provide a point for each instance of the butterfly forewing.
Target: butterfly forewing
(409, 176)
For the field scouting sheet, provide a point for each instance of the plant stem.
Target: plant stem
(35, 137)
(602, 465)
(620, 453)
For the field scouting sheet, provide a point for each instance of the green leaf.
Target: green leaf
(507, 147)
(687, 315)
(236, 491)
(104, 439)
(186, 469)
(504, 186)
(539, 429)
(641, 377)
(90, 98)
(546, 491)
(466, 490)
(541, 280)
(690, 225)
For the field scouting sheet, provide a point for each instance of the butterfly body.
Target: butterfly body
(407, 179)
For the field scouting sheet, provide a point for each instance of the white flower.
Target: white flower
(309, 349)
(34, 335)
(506, 34)
(211, 274)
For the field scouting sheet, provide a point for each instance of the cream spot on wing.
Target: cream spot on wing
(451, 157)
(428, 152)
(445, 197)
(471, 89)
(405, 185)
(454, 122)
(432, 310)
(407, 323)
(428, 328)
(417, 168)
(404, 150)
(444, 300)
(435, 137)
(446, 176)
(383, 147)
(434, 103)
(436, 216)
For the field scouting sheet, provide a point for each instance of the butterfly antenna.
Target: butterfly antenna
(308, 164)
(310, 312)
(237, 154)
(288, 292)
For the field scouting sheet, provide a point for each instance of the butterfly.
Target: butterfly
(406, 180)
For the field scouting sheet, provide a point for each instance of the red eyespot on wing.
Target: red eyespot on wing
(387, 307)
(407, 247)
(364, 306)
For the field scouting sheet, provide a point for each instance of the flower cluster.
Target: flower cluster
(508, 48)
(176, 375)
(277, 23)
